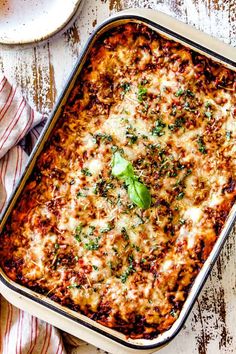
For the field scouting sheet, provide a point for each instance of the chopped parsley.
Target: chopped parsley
(81, 194)
(91, 230)
(74, 286)
(173, 313)
(159, 127)
(107, 229)
(92, 245)
(187, 92)
(102, 137)
(180, 92)
(124, 233)
(130, 134)
(201, 145)
(77, 237)
(137, 248)
(207, 104)
(125, 87)
(179, 122)
(180, 196)
(142, 93)
(95, 267)
(78, 231)
(86, 172)
(188, 108)
(228, 134)
(173, 110)
(208, 114)
(126, 273)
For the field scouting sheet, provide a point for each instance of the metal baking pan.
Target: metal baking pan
(68, 320)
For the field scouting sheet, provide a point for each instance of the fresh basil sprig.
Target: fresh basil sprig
(137, 191)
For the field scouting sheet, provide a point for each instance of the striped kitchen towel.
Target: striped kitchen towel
(20, 127)
(20, 332)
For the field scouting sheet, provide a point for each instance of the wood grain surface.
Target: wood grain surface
(42, 70)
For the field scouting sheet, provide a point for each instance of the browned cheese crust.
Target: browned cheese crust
(75, 235)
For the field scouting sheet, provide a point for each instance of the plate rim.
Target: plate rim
(76, 9)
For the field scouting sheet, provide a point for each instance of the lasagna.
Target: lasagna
(124, 248)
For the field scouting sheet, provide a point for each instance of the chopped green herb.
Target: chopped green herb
(124, 233)
(86, 172)
(102, 137)
(179, 92)
(189, 93)
(81, 194)
(143, 260)
(133, 138)
(174, 110)
(74, 286)
(78, 238)
(188, 108)
(228, 134)
(76, 258)
(131, 259)
(107, 229)
(125, 87)
(208, 114)
(207, 104)
(95, 267)
(130, 134)
(201, 145)
(137, 248)
(110, 265)
(150, 301)
(142, 93)
(189, 171)
(78, 229)
(180, 196)
(72, 182)
(141, 221)
(125, 275)
(92, 244)
(173, 313)
(180, 166)
(56, 246)
(159, 127)
(144, 81)
(91, 230)
(179, 122)
(182, 221)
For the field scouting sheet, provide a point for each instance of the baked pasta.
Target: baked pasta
(131, 191)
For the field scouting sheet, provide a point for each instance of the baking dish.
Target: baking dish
(145, 345)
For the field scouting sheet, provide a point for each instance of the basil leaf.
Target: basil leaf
(139, 194)
(121, 168)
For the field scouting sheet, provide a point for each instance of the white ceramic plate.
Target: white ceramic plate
(26, 21)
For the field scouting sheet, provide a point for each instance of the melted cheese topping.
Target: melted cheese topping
(76, 237)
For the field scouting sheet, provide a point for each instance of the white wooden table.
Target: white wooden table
(42, 70)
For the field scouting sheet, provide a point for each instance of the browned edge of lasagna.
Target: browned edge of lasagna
(132, 190)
